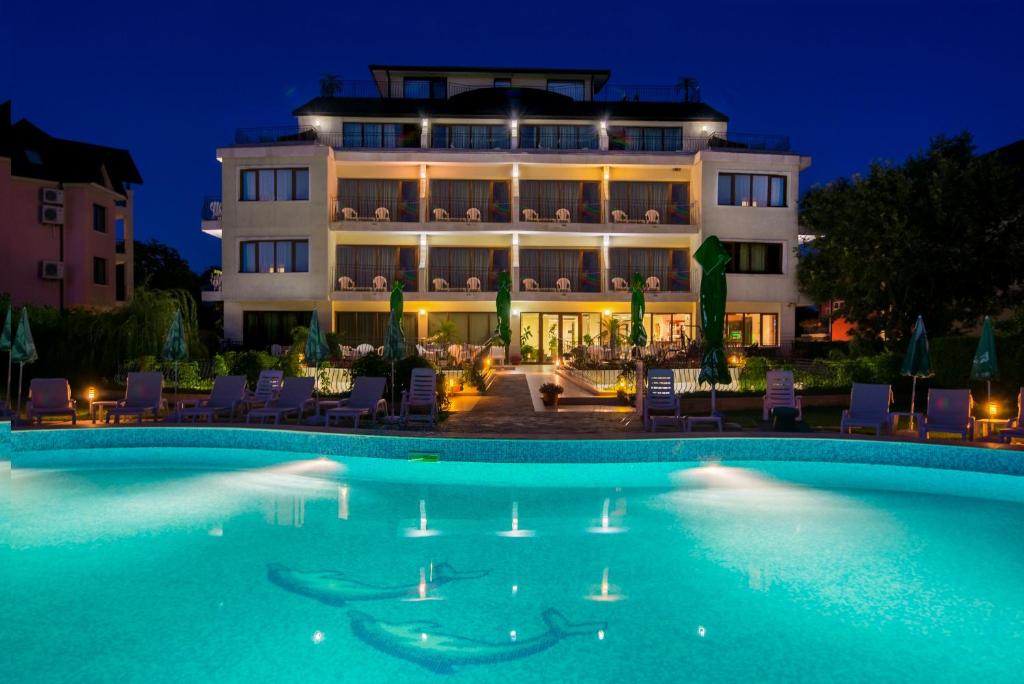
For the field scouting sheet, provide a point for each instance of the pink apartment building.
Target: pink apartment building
(65, 218)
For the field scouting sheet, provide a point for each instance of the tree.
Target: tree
(330, 85)
(689, 88)
(161, 267)
(938, 236)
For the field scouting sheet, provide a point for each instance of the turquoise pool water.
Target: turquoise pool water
(303, 568)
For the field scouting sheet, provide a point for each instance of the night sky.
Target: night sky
(849, 82)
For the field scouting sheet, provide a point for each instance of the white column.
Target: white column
(602, 137)
(515, 262)
(425, 133)
(605, 242)
(515, 193)
(424, 209)
(605, 194)
(514, 126)
(424, 274)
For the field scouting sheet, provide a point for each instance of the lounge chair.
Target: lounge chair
(419, 402)
(367, 399)
(780, 393)
(869, 408)
(660, 399)
(50, 397)
(1015, 429)
(144, 394)
(227, 395)
(949, 411)
(295, 395)
(363, 349)
(268, 384)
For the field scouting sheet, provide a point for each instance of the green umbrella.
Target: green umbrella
(316, 347)
(175, 348)
(985, 366)
(5, 345)
(394, 341)
(712, 257)
(23, 350)
(917, 363)
(637, 333)
(503, 305)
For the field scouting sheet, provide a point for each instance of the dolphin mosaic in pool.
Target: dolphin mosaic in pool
(337, 589)
(427, 644)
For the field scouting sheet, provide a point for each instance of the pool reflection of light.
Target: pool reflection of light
(422, 530)
(515, 531)
(606, 592)
(342, 502)
(318, 637)
(606, 527)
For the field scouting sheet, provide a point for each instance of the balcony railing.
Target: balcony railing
(373, 279)
(553, 211)
(465, 212)
(559, 280)
(477, 138)
(351, 209)
(212, 209)
(463, 280)
(668, 280)
(760, 142)
(275, 134)
(653, 213)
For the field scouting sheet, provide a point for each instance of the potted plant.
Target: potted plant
(549, 392)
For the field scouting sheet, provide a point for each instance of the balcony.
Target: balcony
(460, 137)
(466, 201)
(555, 211)
(653, 213)
(210, 215)
(565, 280)
(354, 279)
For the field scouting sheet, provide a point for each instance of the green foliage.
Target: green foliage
(527, 350)
(551, 388)
(161, 267)
(446, 332)
(220, 366)
(249, 364)
(838, 372)
(473, 376)
(753, 374)
(937, 236)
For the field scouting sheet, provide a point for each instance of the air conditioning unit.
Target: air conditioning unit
(51, 270)
(49, 213)
(52, 196)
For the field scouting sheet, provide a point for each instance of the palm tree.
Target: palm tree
(689, 88)
(330, 85)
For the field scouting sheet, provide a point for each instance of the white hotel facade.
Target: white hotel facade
(446, 176)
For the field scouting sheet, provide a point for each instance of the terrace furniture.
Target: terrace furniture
(530, 215)
(690, 421)
(441, 215)
(367, 396)
(1015, 428)
(363, 350)
(498, 355)
(95, 406)
(619, 216)
(143, 394)
(268, 384)
(349, 214)
(50, 397)
(419, 402)
(785, 418)
(563, 285)
(949, 411)
(530, 285)
(869, 408)
(226, 396)
(382, 214)
(652, 216)
(380, 283)
(619, 284)
(473, 284)
(295, 395)
(455, 351)
(380, 350)
(915, 420)
(346, 283)
(780, 392)
(661, 403)
(653, 284)
(472, 214)
(563, 215)
(440, 284)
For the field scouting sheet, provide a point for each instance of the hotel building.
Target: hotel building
(445, 176)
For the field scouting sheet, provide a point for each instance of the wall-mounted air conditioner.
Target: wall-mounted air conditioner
(51, 270)
(52, 196)
(49, 213)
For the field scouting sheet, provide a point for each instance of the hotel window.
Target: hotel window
(503, 83)
(558, 137)
(470, 137)
(572, 88)
(260, 329)
(425, 88)
(99, 218)
(274, 256)
(375, 135)
(750, 190)
(754, 257)
(645, 138)
(752, 329)
(274, 185)
(99, 271)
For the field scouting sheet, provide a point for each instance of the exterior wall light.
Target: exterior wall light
(515, 312)
(423, 312)
(604, 125)
(424, 123)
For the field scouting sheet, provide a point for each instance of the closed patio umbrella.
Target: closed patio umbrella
(917, 362)
(637, 305)
(394, 341)
(23, 350)
(985, 366)
(503, 307)
(175, 347)
(316, 349)
(5, 345)
(712, 257)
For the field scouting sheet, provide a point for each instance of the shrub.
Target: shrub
(752, 377)
(250, 363)
(551, 388)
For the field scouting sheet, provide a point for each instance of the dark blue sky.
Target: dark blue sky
(848, 81)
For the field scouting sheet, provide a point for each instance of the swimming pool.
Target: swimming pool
(161, 561)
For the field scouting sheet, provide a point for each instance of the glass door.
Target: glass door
(551, 338)
(570, 333)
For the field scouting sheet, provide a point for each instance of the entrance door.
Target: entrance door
(570, 333)
(550, 338)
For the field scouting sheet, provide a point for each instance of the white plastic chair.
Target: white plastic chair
(380, 283)
(441, 215)
(473, 284)
(455, 351)
(530, 215)
(346, 283)
(563, 215)
(530, 285)
(563, 285)
(349, 214)
(652, 216)
(619, 284)
(363, 349)
(780, 392)
(472, 214)
(440, 284)
(382, 214)
(619, 216)
(653, 284)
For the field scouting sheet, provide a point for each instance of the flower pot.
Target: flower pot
(549, 398)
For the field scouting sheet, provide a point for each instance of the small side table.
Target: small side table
(915, 419)
(95, 406)
(989, 427)
(701, 420)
